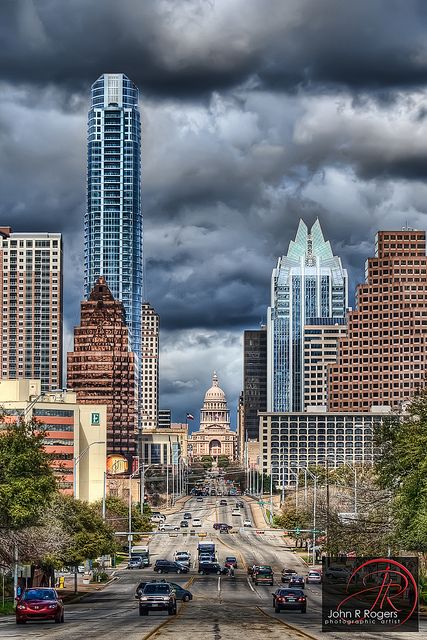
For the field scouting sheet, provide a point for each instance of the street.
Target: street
(223, 608)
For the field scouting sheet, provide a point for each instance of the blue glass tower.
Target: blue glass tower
(308, 286)
(113, 220)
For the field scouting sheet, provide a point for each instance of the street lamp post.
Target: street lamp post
(353, 468)
(312, 475)
(76, 461)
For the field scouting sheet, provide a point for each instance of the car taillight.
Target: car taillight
(280, 599)
(301, 599)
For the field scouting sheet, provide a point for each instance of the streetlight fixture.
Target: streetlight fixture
(76, 461)
(314, 476)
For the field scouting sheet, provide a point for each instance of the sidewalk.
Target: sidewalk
(258, 515)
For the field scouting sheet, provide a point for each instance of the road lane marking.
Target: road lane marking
(219, 584)
(296, 630)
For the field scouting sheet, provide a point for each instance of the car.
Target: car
(230, 561)
(169, 566)
(337, 573)
(223, 503)
(135, 563)
(218, 525)
(263, 575)
(289, 599)
(199, 499)
(240, 504)
(236, 512)
(180, 592)
(197, 522)
(297, 582)
(183, 524)
(224, 529)
(314, 577)
(187, 515)
(287, 574)
(182, 556)
(247, 523)
(157, 596)
(206, 568)
(164, 526)
(157, 517)
(207, 557)
(39, 603)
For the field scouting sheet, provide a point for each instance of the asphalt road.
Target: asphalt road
(223, 608)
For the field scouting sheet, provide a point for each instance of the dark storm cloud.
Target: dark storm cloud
(192, 47)
(254, 114)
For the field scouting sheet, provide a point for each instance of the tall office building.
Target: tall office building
(308, 286)
(150, 368)
(113, 220)
(101, 369)
(254, 380)
(31, 310)
(320, 350)
(382, 360)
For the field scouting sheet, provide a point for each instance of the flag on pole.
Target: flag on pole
(190, 417)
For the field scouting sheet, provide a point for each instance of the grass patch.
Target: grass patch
(7, 608)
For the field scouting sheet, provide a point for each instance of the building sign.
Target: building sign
(117, 464)
(370, 594)
(96, 419)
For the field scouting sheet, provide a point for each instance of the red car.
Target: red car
(39, 603)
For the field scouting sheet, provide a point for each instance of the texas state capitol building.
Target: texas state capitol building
(214, 437)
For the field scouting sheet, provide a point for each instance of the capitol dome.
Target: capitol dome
(215, 393)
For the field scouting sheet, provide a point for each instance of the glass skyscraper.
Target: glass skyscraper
(308, 286)
(113, 220)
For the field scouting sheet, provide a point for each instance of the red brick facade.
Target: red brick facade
(382, 360)
(101, 369)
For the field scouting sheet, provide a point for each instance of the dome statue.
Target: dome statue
(215, 393)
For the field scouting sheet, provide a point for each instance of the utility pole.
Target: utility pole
(142, 487)
(327, 501)
(104, 496)
(167, 483)
(130, 516)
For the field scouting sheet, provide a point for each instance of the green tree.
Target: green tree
(27, 482)
(117, 515)
(223, 462)
(88, 536)
(206, 462)
(292, 518)
(402, 470)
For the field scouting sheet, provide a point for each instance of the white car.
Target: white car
(247, 523)
(314, 577)
(197, 522)
(168, 527)
(157, 518)
(236, 512)
(183, 557)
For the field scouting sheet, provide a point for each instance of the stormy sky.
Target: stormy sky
(254, 112)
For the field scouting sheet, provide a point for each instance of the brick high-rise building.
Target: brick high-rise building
(382, 360)
(31, 309)
(101, 369)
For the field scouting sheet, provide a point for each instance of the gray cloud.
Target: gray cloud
(252, 118)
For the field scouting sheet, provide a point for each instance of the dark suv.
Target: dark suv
(211, 567)
(159, 596)
(168, 566)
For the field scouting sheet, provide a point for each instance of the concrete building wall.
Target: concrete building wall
(31, 306)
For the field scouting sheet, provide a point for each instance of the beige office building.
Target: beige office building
(320, 350)
(75, 433)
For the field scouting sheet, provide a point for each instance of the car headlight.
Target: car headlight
(21, 606)
(166, 598)
(144, 598)
(52, 606)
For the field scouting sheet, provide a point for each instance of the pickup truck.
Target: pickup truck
(157, 596)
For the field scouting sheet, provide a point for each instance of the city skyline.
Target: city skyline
(250, 131)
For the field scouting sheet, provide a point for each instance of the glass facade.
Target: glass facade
(308, 285)
(113, 220)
